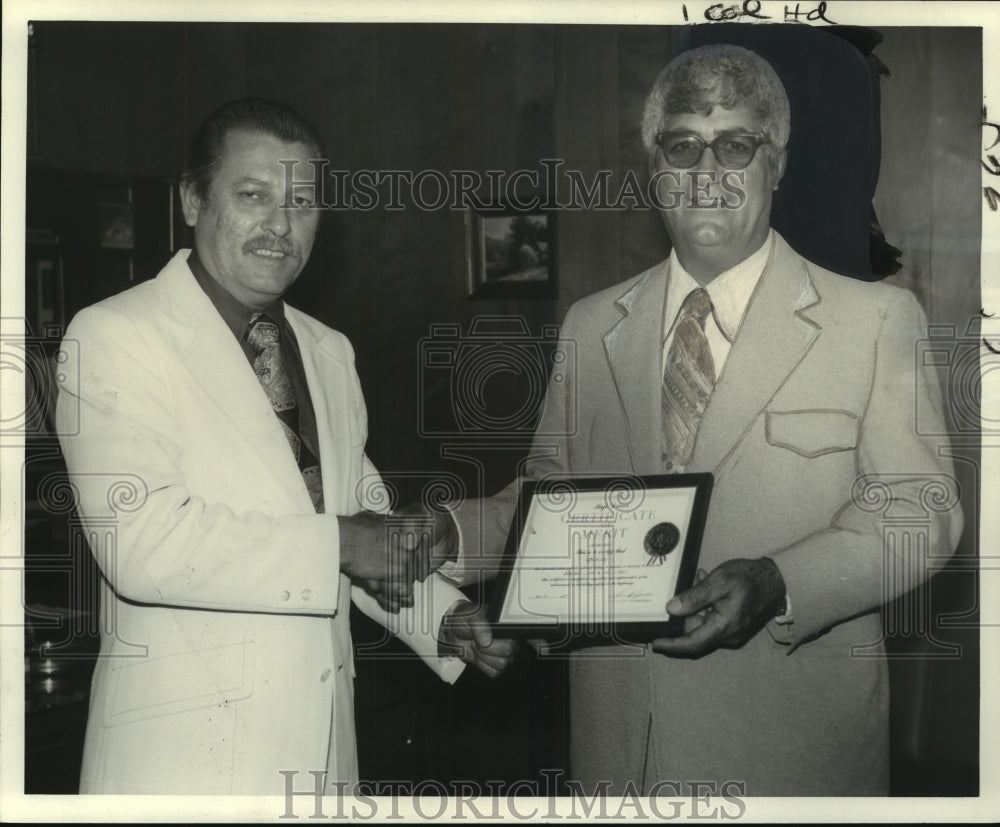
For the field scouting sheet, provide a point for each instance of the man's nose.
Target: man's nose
(710, 161)
(277, 221)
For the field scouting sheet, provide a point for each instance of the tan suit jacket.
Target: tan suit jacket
(819, 464)
(226, 650)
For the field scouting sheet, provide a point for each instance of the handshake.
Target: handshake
(387, 554)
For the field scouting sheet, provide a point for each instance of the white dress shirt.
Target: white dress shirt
(730, 293)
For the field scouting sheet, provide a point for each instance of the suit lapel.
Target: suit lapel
(775, 335)
(633, 348)
(328, 378)
(215, 359)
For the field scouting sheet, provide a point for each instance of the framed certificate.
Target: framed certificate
(599, 557)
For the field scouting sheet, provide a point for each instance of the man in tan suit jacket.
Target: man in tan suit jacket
(778, 684)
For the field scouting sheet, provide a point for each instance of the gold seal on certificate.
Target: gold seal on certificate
(599, 557)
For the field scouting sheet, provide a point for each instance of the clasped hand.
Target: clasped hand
(386, 554)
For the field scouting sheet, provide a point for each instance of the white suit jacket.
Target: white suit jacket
(226, 649)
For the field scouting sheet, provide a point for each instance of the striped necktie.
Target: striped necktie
(688, 379)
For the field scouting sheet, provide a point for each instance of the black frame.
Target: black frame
(479, 286)
(619, 631)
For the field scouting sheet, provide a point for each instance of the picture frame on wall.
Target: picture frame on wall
(117, 226)
(511, 254)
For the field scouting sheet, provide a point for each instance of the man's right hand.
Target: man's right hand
(438, 531)
(390, 551)
(385, 555)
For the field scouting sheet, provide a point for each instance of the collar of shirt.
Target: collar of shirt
(237, 318)
(730, 291)
(236, 315)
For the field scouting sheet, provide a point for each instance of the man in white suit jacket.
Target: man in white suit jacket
(778, 684)
(226, 655)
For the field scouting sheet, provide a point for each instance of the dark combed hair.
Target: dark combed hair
(253, 115)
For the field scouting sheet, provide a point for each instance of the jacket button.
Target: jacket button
(325, 676)
(284, 596)
(306, 594)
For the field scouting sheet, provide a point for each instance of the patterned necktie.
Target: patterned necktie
(688, 379)
(264, 336)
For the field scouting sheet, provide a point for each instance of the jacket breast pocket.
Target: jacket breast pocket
(812, 433)
(171, 684)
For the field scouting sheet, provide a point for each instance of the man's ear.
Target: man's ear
(191, 202)
(778, 160)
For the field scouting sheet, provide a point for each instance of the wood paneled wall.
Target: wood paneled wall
(929, 201)
(126, 98)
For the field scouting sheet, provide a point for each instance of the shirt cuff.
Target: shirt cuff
(786, 618)
(419, 625)
(454, 569)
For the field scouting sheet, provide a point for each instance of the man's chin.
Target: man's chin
(270, 285)
(709, 236)
(702, 230)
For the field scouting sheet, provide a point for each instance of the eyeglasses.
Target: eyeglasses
(734, 150)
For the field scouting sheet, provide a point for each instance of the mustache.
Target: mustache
(274, 245)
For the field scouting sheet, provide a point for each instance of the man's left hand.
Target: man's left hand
(466, 633)
(725, 608)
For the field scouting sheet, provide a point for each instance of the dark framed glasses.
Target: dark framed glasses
(733, 151)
